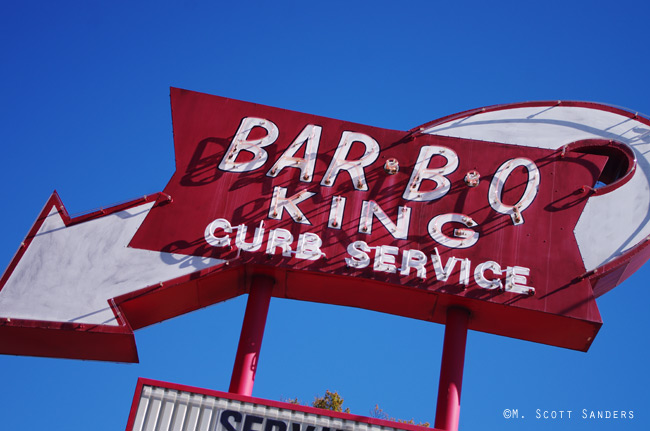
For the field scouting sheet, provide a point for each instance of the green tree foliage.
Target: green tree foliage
(330, 401)
(381, 414)
(334, 402)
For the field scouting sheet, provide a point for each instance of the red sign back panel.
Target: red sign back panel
(327, 219)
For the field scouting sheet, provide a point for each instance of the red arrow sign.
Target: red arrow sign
(58, 293)
(491, 210)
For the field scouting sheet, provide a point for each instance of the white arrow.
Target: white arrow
(68, 273)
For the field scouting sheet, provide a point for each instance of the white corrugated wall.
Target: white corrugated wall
(162, 409)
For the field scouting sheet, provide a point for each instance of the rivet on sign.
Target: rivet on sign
(305, 177)
(472, 178)
(391, 166)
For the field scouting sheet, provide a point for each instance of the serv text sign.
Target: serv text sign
(170, 407)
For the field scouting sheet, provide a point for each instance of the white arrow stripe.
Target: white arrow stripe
(67, 274)
(610, 224)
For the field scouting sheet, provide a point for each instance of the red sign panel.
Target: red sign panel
(407, 223)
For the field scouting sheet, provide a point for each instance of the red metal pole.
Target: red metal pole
(252, 332)
(451, 369)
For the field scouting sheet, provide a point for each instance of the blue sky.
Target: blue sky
(85, 110)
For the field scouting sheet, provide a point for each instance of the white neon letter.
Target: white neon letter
(279, 238)
(310, 136)
(358, 252)
(240, 142)
(465, 271)
(335, 219)
(516, 280)
(309, 246)
(354, 167)
(463, 238)
(479, 275)
(385, 258)
(280, 202)
(240, 239)
(372, 208)
(223, 241)
(442, 274)
(499, 180)
(422, 172)
(414, 259)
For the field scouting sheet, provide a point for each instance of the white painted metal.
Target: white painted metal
(99, 266)
(163, 409)
(611, 223)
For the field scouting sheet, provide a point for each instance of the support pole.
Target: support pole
(451, 369)
(252, 332)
